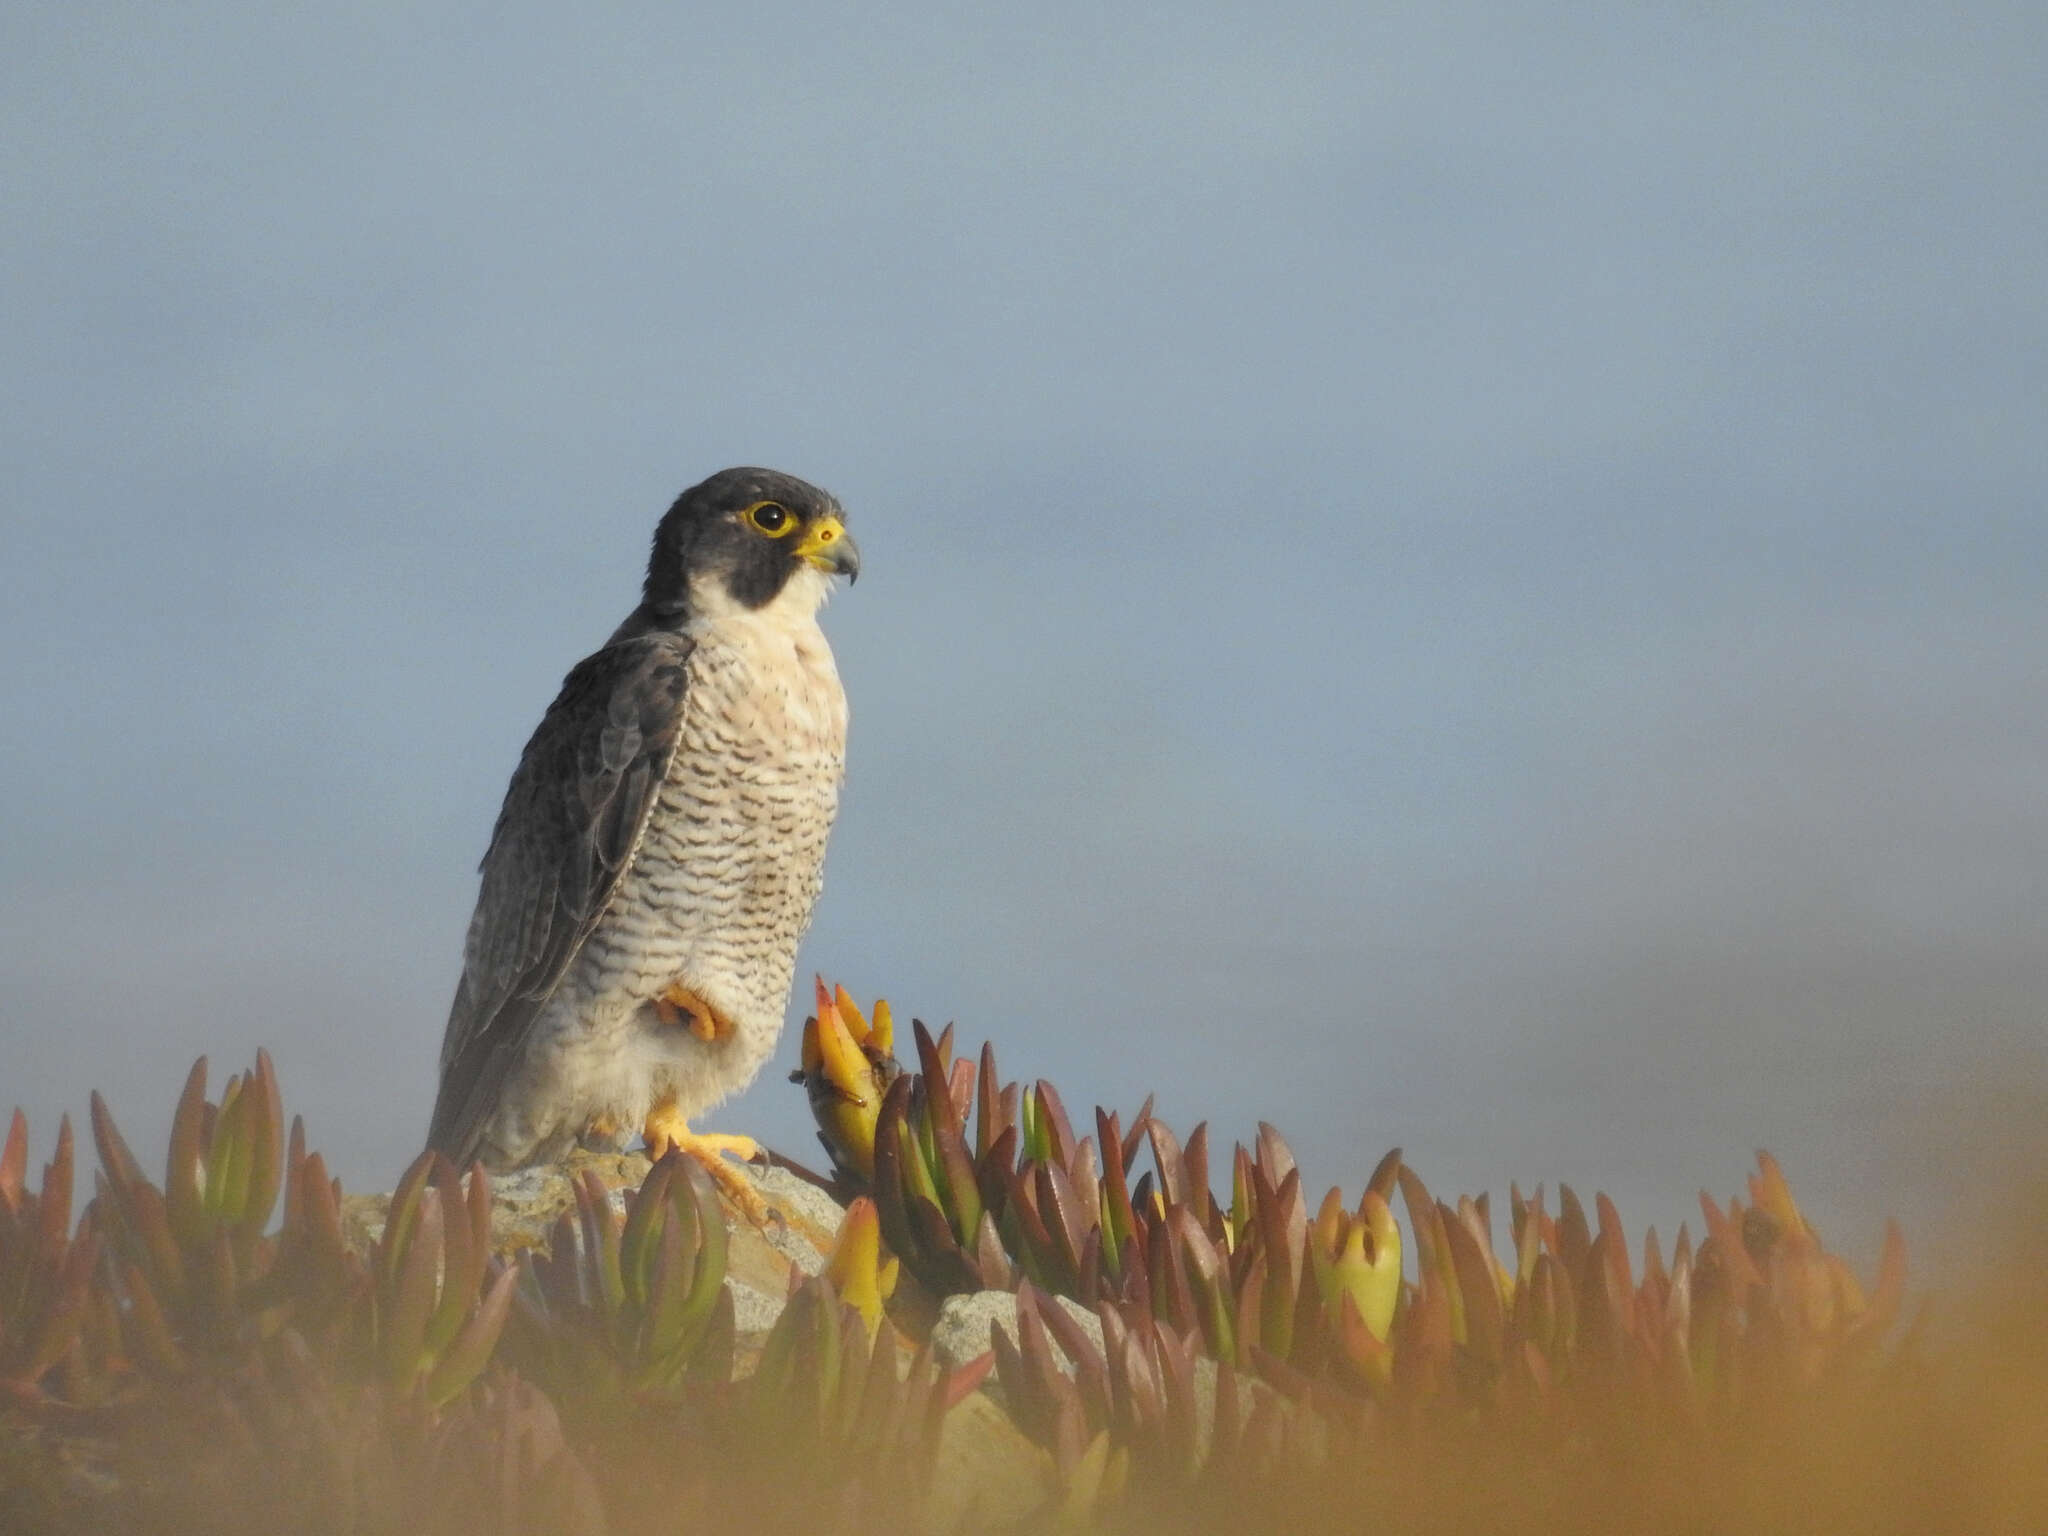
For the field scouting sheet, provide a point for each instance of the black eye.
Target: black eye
(769, 518)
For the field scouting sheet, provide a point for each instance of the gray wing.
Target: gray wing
(571, 822)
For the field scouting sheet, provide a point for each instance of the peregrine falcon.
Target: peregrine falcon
(660, 847)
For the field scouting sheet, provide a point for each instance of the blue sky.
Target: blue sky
(1441, 575)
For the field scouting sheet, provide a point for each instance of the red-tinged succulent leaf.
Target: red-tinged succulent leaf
(1033, 1415)
(462, 1263)
(989, 1119)
(992, 1172)
(1560, 1299)
(399, 1217)
(1119, 1219)
(1274, 1155)
(869, 1404)
(14, 1164)
(1574, 1236)
(1134, 1138)
(712, 1242)
(960, 1090)
(1011, 1103)
(712, 1359)
(465, 1358)
(1386, 1175)
(1731, 1252)
(53, 1202)
(1606, 1315)
(959, 1191)
(1247, 1321)
(933, 1255)
(661, 1338)
(1058, 1130)
(1194, 1159)
(313, 1258)
(227, 1155)
(1885, 1296)
(992, 1265)
(1655, 1276)
(1166, 1157)
(1033, 1227)
(601, 1231)
(121, 1168)
(639, 1248)
(1084, 1173)
(1209, 1282)
(1478, 1288)
(1065, 1216)
(1368, 1356)
(294, 1174)
(1137, 1395)
(148, 1328)
(1146, 1201)
(889, 1174)
(1092, 1367)
(407, 1302)
(933, 1067)
(1421, 1206)
(1678, 1302)
(1473, 1216)
(153, 1242)
(185, 1172)
(1090, 1273)
(1174, 1356)
(1064, 1329)
(1617, 1246)
(266, 1158)
(62, 1311)
(1282, 1228)
(963, 1381)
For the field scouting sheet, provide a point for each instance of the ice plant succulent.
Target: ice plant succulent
(45, 1271)
(432, 1322)
(832, 1398)
(193, 1262)
(863, 1278)
(637, 1306)
(1260, 1358)
(1356, 1261)
(847, 1067)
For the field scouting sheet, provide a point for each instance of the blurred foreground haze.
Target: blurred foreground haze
(1434, 575)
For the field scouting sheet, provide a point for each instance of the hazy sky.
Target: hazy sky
(1470, 577)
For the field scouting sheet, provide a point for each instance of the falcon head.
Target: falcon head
(746, 538)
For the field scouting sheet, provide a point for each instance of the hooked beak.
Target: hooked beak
(829, 547)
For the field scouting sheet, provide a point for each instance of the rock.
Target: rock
(986, 1472)
(753, 1313)
(961, 1332)
(811, 1217)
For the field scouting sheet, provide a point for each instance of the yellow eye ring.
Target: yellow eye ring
(771, 518)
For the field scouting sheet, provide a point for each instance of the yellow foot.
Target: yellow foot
(679, 1007)
(666, 1128)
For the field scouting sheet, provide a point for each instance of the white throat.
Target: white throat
(793, 609)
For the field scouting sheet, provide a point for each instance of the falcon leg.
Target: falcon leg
(680, 1008)
(666, 1128)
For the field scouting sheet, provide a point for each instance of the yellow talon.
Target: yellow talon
(666, 1128)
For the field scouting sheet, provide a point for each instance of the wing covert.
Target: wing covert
(571, 821)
